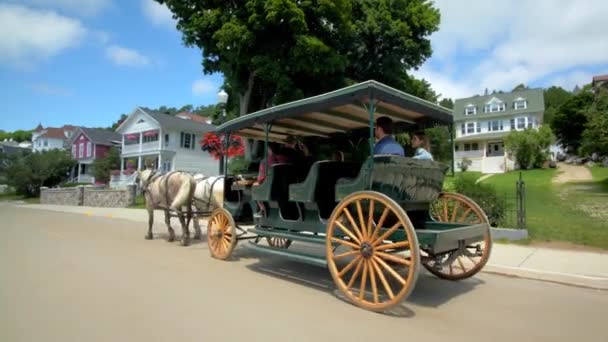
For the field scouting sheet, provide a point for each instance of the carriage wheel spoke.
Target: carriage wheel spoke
(451, 269)
(361, 221)
(473, 261)
(401, 244)
(345, 254)
(380, 223)
(344, 242)
(372, 277)
(390, 270)
(387, 234)
(387, 287)
(355, 274)
(348, 266)
(455, 211)
(393, 258)
(363, 282)
(348, 232)
(370, 219)
(464, 216)
(464, 269)
(445, 209)
(353, 224)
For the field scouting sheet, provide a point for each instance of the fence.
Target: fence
(513, 213)
(89, 196)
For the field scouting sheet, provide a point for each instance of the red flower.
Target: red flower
(216, 145)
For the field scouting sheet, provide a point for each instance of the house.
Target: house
(44, 139)
(10, 147)
(152, 139)
(194, 117)
(599, 81)
(482, 122)
(88, 144)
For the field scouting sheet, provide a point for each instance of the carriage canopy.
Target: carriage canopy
(338, 111)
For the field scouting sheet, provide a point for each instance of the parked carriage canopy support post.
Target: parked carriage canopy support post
(378, 220)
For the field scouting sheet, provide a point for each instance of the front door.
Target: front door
(495, 149)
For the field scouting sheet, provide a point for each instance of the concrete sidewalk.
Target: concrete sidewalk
(586, 269)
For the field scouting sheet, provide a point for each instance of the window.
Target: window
(494, 105)
(74, 150)
(166, 140)
(494, 126)
(471, 147)
(46, 142)
(521, 104)
(472, 128)
(89, 152)
(470, 110)
(456, 147)
(521, 123)
(150, 136)
(80, 150)
(187, 140)
(531, 122)
(131, 139)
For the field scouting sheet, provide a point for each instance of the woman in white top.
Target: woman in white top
(421, 143)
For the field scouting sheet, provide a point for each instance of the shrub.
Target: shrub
(484, 195)
(464, 164)
(530, 146)
(48, 168)
(237, 165)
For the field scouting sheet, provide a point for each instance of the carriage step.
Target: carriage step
(318, 239)
(296, 256)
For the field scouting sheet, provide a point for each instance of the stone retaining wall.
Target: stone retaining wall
(89, 196)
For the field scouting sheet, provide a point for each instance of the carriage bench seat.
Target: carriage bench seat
(321, 180)
(401, 178)
(276, 176)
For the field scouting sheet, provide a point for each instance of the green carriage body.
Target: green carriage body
(297, 202)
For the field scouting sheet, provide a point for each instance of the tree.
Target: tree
(122, 118)
(447, 103)
(530, 146)
(48, 168)
(595, 135)
(520, 86)
(554, 98)
(570, 119)
(102, 167)
(275, 51)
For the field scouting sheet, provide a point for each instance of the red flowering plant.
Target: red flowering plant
(216, 145)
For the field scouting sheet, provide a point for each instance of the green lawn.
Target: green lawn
(15, 197)
(140, 203)
(600, 176)
(560, 212)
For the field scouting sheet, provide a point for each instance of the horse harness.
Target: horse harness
(211, 188)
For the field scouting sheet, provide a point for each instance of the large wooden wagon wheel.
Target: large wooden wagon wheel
(467, 260)
(278, 242)
(372, 250)
(221, 234)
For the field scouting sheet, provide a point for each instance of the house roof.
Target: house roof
(193, 117)
(53, 133)
(170, 121)
(535, 98)
(99, 136)
(599, 78)
(484, 136)
(11, 149)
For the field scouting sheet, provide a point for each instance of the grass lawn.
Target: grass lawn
(15, 197)
(448, 181)
(140, 203)
(559, 212)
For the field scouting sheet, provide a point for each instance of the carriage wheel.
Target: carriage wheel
(372, 272)
(468, 260)
(221, 234)
(278, 242)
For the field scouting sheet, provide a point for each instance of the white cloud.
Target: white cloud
(126, 57)
(29, 36)
(516, 42)
(47, 89)
(157, 13)
(204, 87)
(78, 7)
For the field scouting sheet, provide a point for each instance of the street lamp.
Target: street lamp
(222, 99)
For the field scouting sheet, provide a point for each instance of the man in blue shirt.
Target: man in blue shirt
(385, 143)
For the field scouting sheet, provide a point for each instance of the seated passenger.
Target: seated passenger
(275, 156)
(420, 142)
(296, 150)
(385, 143)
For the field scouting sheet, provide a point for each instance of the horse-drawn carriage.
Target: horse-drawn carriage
(378, 219)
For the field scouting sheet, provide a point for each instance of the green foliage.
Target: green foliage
(530, 146)
(103, 166)
(18, 136)
(275, 51)
(520, 86)
(595, 135)
(49, 168)
(447, 103)
(484, 195)
(237, 165)
(464, 164)
(570, 120)
(555, 97)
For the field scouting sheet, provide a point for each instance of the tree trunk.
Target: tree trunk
(244, 100)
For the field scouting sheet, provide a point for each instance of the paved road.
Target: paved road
(69, 277)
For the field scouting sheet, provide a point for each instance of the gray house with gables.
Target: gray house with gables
(482, 122)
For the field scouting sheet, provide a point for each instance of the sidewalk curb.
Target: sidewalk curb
(590, 282)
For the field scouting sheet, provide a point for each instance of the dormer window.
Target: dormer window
(520, 103)
(470, 109)
(494, 105)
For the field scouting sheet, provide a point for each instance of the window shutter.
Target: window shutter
(462, 129)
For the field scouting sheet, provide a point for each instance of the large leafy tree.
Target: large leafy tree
(34, 170)
(595, 135)
(570, 119)
(275, 51)
(102, 167)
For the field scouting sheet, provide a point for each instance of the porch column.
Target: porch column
(160, 161)
(79, 172)
(139, 162)
(122, 165)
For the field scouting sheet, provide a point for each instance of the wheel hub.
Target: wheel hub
(367, 250)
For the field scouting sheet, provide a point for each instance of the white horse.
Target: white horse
(208, 195)
(171, 192)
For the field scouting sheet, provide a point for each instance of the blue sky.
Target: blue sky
(84, 62)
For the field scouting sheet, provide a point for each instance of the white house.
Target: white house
(482, 122)
(44, 139)
(152, 139)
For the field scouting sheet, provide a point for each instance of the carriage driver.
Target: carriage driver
(385, 143)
